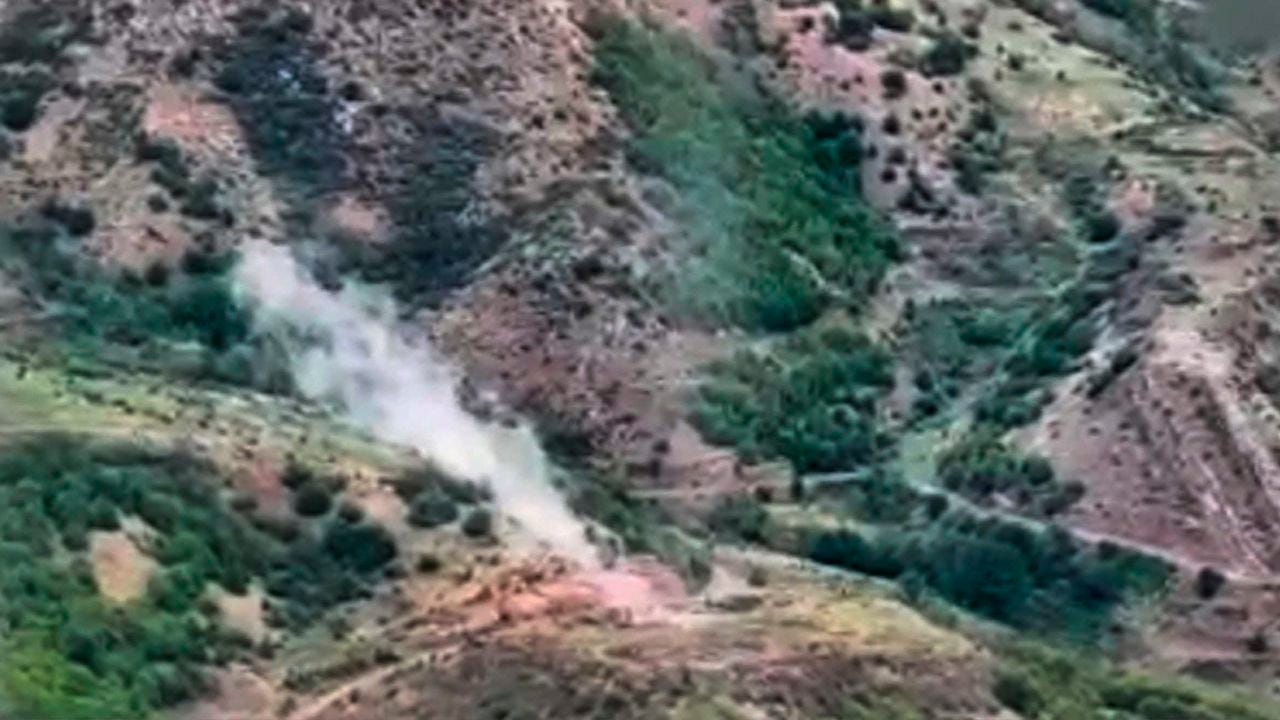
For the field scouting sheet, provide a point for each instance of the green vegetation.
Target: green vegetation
(198, 198)
(274, 82)
(1042, 580)
(478, 523)
(979, 148)
(180, 324)
(954, 343)
(37, 32)
(947, 55)
(432, 509)
(282, 99)
(67, 652)
(812, 400)
(855, 25)
(1037, 682)
(981, 465)
(740, 517)
(769, 201)
(1057, 337)
(20, 95)
(35, 35)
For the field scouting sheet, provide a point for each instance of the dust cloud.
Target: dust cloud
(346, 349)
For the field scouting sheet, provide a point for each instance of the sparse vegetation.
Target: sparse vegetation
(770, 201)
(978, 151)
(273, 79)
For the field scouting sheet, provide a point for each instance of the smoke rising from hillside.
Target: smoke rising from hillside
(346, 349)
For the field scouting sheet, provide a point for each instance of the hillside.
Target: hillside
(867, 359)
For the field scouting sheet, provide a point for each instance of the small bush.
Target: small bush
(1016, 691)
(894, 83)
(312, 500)
(889, 18)
(1102, 226)
(363, 547)
(432, 509)
(78, 220)
(350, 512)
(428, 564)
(946, 56)
(20, 96)
(740, 517)
(478, 523)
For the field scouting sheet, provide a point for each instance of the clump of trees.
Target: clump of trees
(1033, 680)
(67, 653)
(156, 319)
(34, 37)
(981, 465)
(770, 200)
(812, 401)
(1003, 569)
(856, 21)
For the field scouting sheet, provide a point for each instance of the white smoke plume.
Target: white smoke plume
(347, 349)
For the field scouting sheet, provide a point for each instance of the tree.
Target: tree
(432, 509)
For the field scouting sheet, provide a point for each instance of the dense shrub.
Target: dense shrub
(362, 547)
(980, 465)
(1209, 581)
(20, 96)
(37, 32)
(100, 307)
(312, 500)
(891, 18)
(432, 509)
(66, 654)
(282, 99)
(947, 55)
(478, 523)
(955, 342)
(78, 219)
(428, 479)
(740, 517)
(1003, 569)
(811, 401)
(853, 27)
(770, 201)
(894, 83)
(1036, 681)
